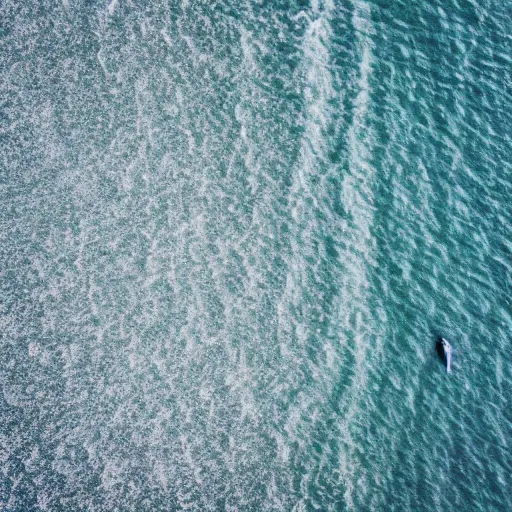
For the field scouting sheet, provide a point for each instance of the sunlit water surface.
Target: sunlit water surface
(230, 235)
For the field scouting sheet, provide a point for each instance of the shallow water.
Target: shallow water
(230, 235)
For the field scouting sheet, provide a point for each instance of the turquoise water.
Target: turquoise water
(230, 236)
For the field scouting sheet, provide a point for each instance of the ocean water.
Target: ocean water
(231, 233)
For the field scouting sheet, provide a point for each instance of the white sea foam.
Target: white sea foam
(111, 7)
(357, 202)
(192, 353)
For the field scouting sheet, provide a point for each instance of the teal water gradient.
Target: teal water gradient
(231, 233)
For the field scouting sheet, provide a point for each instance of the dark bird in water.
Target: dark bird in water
(444, 350)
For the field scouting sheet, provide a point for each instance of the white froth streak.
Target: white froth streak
(318, 90)
(111, 7)
(293, 331)
(354, 316)
(357, 199)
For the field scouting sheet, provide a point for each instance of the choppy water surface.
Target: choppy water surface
(230, 234)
